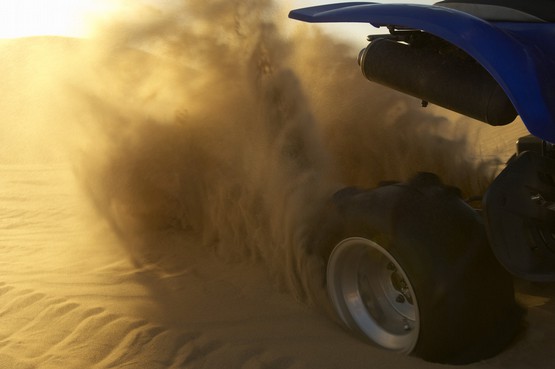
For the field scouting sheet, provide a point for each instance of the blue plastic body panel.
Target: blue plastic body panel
(520, 56)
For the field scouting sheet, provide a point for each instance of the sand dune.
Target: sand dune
(71, 298)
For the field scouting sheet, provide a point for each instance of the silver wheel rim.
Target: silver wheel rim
(371, 293)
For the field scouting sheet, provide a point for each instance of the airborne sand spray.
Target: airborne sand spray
(234, 135)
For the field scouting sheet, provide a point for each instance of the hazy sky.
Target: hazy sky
(354, 32)
(20, 18)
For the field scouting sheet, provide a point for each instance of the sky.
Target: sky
(354, 33)
(22, 18)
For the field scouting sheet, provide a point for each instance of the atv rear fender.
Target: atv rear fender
(520, 56)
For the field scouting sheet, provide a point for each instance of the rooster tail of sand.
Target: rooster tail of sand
(222, 130)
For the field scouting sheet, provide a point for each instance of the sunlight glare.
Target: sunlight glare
(23, 18)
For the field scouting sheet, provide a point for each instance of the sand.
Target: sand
(85, 184)
(71, 298)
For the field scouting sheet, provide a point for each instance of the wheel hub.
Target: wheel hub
(372, 294)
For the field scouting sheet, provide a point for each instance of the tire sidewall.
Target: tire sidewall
(441, 244)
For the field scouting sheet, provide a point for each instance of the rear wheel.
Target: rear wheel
(409, 268)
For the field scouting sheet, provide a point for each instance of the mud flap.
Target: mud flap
(520, 215)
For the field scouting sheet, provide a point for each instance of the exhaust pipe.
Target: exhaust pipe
(444, 79)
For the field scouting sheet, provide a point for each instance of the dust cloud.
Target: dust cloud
(223, 127)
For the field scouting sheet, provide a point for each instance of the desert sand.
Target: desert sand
(71, 298)
(149, 222)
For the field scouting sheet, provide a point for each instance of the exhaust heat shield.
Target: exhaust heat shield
(446, 78)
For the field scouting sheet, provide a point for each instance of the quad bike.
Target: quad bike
(410, 266)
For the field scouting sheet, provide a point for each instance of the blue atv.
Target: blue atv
(411, 267)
